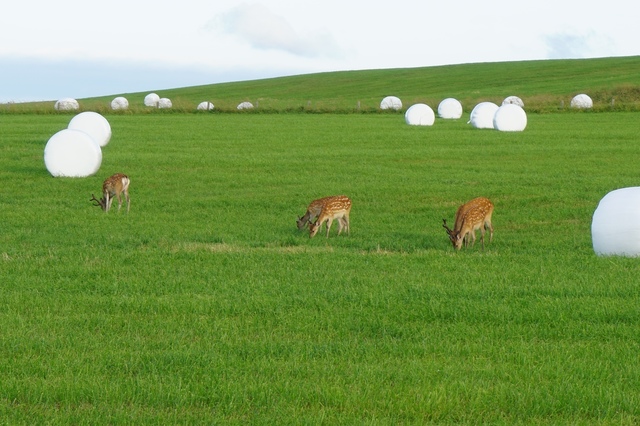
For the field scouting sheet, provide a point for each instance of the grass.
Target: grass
(205, 304)
(545, 86)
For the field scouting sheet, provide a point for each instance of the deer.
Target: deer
(337, 207)
(313, 210)
(113, 186)
(475, 214)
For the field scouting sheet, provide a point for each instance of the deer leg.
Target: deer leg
(340, 225)
(107, 202)
(347, 224)
(490, 226)
(119, 201)
(329, 226)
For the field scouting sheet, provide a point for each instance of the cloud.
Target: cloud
(256, 25)
(567, 45)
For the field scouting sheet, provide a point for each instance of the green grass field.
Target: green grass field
(205, 304)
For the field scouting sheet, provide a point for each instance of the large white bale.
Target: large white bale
(151, 100)
(513, 100)
(581, 101)
(510, 118)
(391, 102)
(164, 103)
(482, 115)
(615, 227)
(450, 108)
(72, 153)
(204, 106)
(119, 102)
(419, 115)
(66, 104)
(93, 124)
(245, 105)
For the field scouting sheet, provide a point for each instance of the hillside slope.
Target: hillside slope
(544, 85)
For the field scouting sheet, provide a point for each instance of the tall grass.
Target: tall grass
(205, 304)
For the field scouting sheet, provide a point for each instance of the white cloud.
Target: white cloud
(573, 45)
(256, 25)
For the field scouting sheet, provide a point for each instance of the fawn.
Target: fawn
(314, 209)
(337, 207)
(113, 186)
(475, 214)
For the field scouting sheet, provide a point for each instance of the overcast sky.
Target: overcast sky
(79, 48)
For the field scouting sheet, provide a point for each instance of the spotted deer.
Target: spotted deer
(313, 210)
(475, 214)
(337, 207)
(113, 186)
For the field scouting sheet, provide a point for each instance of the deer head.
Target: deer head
(101, 202)
(450, 232)
(302, 222)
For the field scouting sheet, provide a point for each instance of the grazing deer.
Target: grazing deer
(475, 214)
(114, 185)
(337, 207)
(314, 209)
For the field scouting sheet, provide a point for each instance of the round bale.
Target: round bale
(615, 227)
(419, 115)
(72, 153)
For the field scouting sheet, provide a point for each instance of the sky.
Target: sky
(77, 48)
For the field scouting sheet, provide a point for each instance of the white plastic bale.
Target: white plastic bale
(204, 106)
(72, 153)
(164, 103)
(510, 118)
(615, 227)
(581, 101)
(119, 102)
(94, 124)
(482, 115)
(66, 104)
(419, 115)
(151, 100)
(513, 100)
(391, 102)
(245, 105)
(450, 108)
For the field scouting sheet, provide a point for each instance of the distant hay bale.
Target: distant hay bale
(119, 103)
(581, 101)
(514, 100)
(419, 115)
(482, 115)
(205, 106)
(151, 100)
(244, 105)
(450, 108)
(164, 103)
(510, 118)
(66, 104)
(391, 102)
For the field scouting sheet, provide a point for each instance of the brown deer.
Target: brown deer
(314, 209)
(337, 207)
(113, 186)
(475, 214)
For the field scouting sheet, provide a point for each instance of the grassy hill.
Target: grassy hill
(206, 305)
(544, 86)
